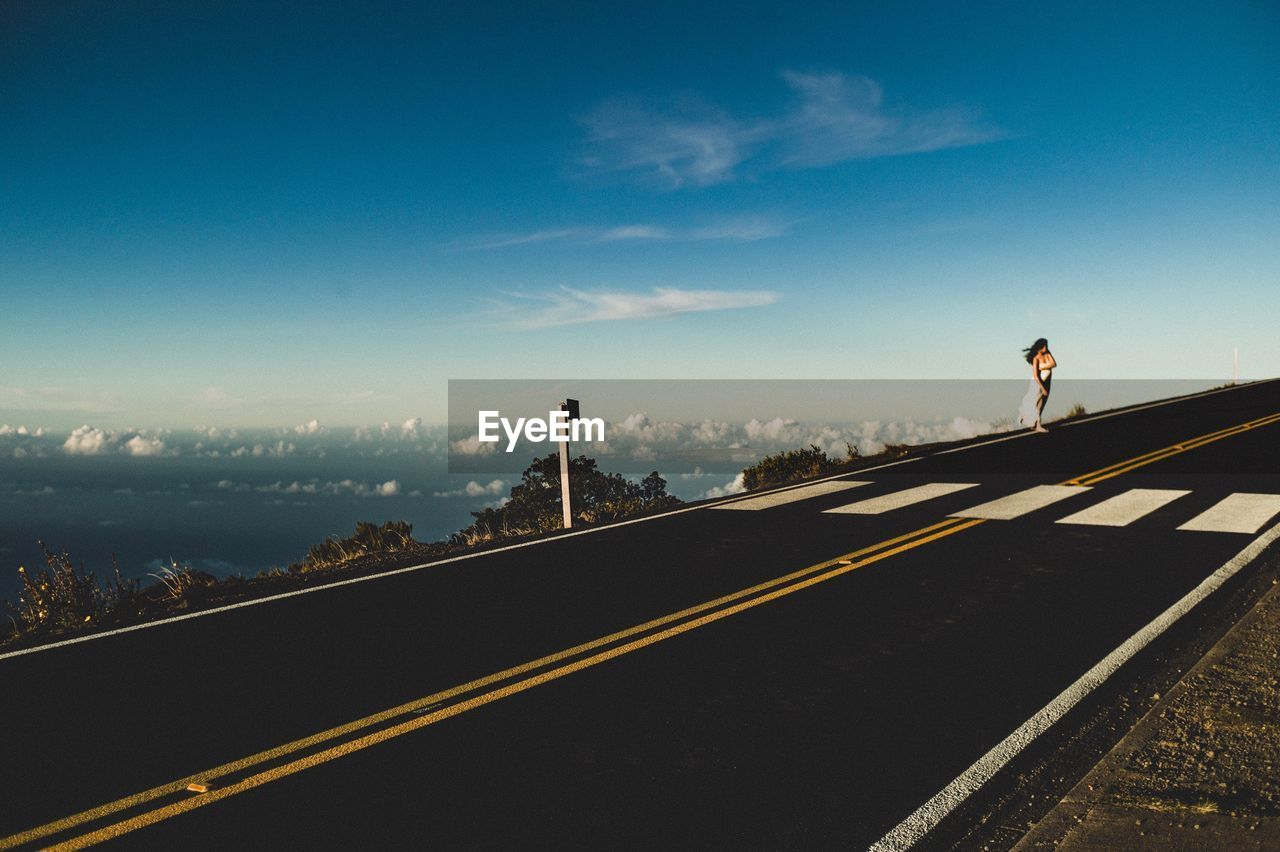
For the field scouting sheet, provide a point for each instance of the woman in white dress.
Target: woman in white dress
(1042, 363)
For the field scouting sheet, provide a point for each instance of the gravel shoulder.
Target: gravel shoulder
(1201, 770)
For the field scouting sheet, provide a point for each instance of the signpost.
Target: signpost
(570, 406)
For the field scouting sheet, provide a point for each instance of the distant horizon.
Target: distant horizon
(436, 415)
(678, 425)
(151, 495)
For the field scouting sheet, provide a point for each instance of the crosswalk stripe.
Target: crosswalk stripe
(899, 499)
(1123, 509)
(1237, 513)
(1022, 502)
(779, 498)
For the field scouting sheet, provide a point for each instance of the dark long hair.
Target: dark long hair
(1035, 347)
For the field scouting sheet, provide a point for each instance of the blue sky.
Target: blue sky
(257, 214)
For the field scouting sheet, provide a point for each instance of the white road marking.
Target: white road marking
(899, 499)
(780, 498)
(1123, 509)
(1022, 502)
(1237, 513)
(912, 829)
(92, 637)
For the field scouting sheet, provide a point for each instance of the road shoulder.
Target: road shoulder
(1201, 770)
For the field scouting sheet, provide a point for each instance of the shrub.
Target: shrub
(793, 465)
(534, 503)
(61, 596)
(391, 537)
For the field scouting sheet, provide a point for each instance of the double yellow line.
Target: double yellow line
(391, 723)
(1171, 450)
(534, 672)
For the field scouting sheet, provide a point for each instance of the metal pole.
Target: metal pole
(565, 501)
(1235, 365)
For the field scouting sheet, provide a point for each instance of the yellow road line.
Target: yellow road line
(1165, 449)
(275, 773)
(179, 785)
(915, 538)
(1158, 455)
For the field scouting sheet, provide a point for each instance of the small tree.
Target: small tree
(597, 497)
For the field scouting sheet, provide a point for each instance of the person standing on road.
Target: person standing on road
(1042, 363)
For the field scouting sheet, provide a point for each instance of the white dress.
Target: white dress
(1027, 414)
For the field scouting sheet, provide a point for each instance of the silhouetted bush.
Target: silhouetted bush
(534, 504)
(62, 597)
(794, 465)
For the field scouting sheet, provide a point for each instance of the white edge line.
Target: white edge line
(734, 498)
(927, 816)
(1025, 432)
(380, 575)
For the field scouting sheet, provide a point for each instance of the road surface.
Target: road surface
(805, 668)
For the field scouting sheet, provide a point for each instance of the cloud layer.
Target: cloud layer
(390, 488)
(640, 442)
(634, 441)
(90, 441)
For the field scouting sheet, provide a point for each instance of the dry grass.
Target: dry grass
(369, 538)
(62, 596)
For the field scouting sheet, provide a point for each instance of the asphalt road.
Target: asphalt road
(814, 711)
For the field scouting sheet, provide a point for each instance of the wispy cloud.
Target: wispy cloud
(533, 237)
(832, 118)
(741, 229)
(569, 306)
(57, 399)
(633, 232)
(214, 398)
(745, 229)
(693, 142)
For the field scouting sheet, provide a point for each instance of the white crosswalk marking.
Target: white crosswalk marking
(779, 498)
(1016, 505)
(1123, 509)
(899, 499)
(1237, 513)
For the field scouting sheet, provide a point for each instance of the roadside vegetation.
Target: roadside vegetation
(796, 465)
(1076, 410)
(596, 497)
(64, 599)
